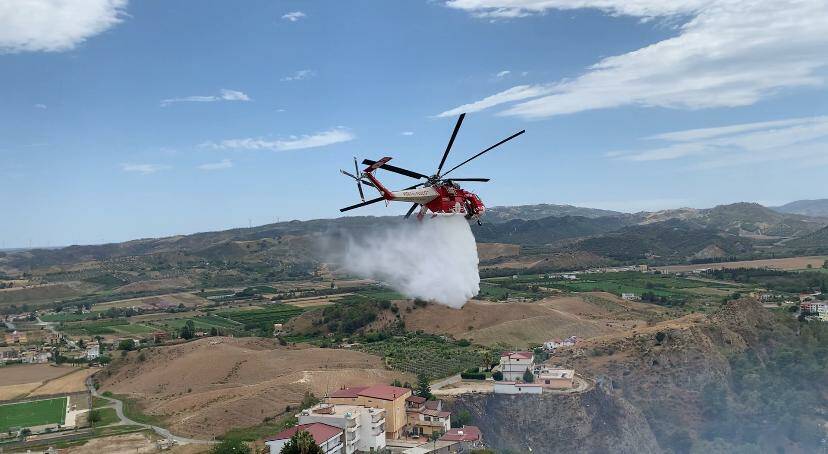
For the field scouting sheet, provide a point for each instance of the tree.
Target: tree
(126, 345)
(497, 375)
(462, 418)
(231, 446)
(528, 377)
(825, 265)
(187, 331)
(487, 359)
(301, 443)
(423, 386)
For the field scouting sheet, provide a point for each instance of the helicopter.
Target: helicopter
(437, 194)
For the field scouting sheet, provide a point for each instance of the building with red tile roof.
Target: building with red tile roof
(392, 399)
(328, 437)
(465, 433)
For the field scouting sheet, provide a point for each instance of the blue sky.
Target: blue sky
(122, 120)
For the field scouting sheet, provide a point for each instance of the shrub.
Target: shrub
(497, 375)
(472, 376)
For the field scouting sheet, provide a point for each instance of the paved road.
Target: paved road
(119, 410)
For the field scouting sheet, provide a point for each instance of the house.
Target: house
(550, 346)
(385, 397)
(468, 438)
(159, 337)
(556, 378)
(817, 308)
(278, 328)
(514, 364)
(425, 417)
(364, 427)
(329, 438)
(629, 296)
(510, 387)
(93, 350)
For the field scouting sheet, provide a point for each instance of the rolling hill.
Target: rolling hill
(817, 207)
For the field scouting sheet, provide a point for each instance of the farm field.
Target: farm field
(24, 380)
(790, 263)
(252, 319)
(423, 353)
(33, 413)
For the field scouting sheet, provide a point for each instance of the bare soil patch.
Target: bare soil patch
(206, 387)
(490, 251)
(519, 324)
(70, 383)
(156, 284)
(790, 263)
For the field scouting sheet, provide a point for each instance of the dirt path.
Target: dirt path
(123, 420)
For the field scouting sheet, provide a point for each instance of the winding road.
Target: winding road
(124, 420)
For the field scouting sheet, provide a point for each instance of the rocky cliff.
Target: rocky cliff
(597, 421)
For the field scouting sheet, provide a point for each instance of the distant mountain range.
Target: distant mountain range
(739, 230)
(818, 207)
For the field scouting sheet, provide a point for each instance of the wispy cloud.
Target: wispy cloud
(40, 106)
(144, 169)
(294, 16)
(55, 25)
(727, 53)
(299, 75)
(794, 139)
(221, 165)
(503, 74)
(319, 139)
(407, 133)
(224, 95)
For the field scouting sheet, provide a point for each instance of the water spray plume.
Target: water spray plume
(434, 260)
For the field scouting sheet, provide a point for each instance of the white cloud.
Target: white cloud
(503, 74)
(144, 169)
(54, 25)
(40, 106)
(319, 139)
(224, 95)
(221, 165)
(513, 94)
(728, 53)
(294, 16)
(794, 139)
(299, 75)
(407, 133)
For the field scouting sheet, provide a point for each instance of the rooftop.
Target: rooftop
(319, 431)
(416, 399)
(466, 433)
(517, 355)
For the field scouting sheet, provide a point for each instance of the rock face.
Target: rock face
(596, 421)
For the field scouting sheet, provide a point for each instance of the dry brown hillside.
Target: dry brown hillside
(205, 387)
(520, 324)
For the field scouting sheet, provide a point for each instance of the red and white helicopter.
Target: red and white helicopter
(437, 194)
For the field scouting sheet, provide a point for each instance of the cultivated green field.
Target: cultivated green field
(34, 413)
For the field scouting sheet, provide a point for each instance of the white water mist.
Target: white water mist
(433, 260)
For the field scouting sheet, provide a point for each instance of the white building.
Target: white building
(93, 350)
(329, 438)
(629, 296)
(514, 364)
(364, 427)
(510, 387)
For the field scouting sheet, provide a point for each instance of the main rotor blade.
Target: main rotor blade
(482, 180)
(395, 169)
(368, 202)
(451, 142)
(359, 181)
(411, 210)
(487, 149)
